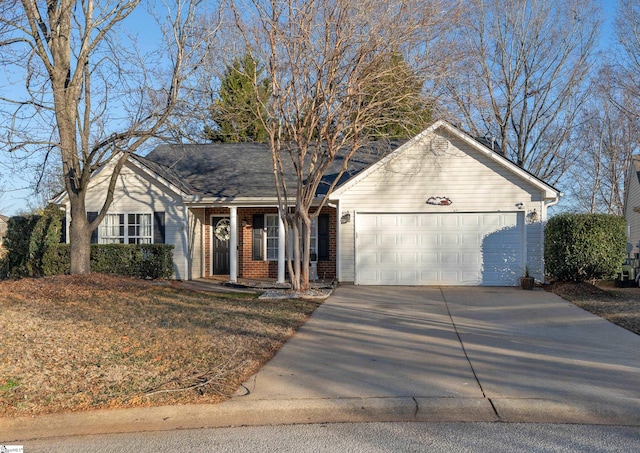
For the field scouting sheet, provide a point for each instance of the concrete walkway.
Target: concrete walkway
(415, 353)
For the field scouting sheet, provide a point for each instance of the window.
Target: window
(265, 238)
(313, 247)
(271, 233)
(112, 229)
(137, 229)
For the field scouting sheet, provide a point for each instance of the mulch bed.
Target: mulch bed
(618, 305)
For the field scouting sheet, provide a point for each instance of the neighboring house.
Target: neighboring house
(439, 209)
(632, 204)
(3, 228)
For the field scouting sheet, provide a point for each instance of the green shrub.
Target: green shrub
(120, 259)
(581, 247)
(57, 260)
(46, 233)
(27, 240)
(157, 261)
(16, 242)
(149, 261)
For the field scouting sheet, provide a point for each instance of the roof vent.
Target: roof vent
(439, 145)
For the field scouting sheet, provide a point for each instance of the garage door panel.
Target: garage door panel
(471, 258)
(409, 258)
(450, 258)
(409, 240)
(387, 258)
(409, 221)
(471, 221)
(429, 239)
(450, 221)
(449, 239)
(388, 221)
(447, 249)
(428, 221)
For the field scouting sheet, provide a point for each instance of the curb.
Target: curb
(239, 412)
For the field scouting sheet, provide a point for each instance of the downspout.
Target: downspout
(546, 206)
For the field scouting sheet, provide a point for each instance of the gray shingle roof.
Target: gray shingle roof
(230, 170)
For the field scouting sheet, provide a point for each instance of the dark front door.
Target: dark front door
(221, 232)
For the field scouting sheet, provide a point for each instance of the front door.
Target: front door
(221, 234)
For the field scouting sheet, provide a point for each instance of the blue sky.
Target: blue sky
(17, 197)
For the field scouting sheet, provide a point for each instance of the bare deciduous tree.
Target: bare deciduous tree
(628, 64)
(523, 78)
(329, 90)
(607, 137)
(89, 95)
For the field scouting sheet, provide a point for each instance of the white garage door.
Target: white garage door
(439, 249)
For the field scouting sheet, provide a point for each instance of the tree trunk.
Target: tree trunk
(306, 251)
(295, 276)
(80, 238)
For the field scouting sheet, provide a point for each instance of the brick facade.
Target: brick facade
(247, 266)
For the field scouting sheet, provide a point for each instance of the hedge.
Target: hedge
(27, 239)
(581, 247)
(149, 261)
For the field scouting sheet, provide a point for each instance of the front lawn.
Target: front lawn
(75, 343)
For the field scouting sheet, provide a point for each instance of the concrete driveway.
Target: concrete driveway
(451, 353)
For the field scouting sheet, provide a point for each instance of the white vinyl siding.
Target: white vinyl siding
(473, 181)
(137, 192)
(196, 233)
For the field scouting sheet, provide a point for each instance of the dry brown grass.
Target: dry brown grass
(76, 343)
(621, 306)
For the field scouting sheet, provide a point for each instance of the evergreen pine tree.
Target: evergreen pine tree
(237, 111)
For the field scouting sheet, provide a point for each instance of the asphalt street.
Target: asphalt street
(361, 437)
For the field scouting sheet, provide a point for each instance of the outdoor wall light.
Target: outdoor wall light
(345, 218)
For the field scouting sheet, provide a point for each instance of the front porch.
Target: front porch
(254, 247)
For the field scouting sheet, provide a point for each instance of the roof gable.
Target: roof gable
(549, 191)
